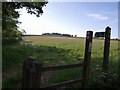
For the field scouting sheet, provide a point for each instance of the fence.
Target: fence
(32, 70)
(106, 49)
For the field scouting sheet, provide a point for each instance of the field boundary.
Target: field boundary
(32, 70)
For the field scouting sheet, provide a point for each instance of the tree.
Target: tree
(10, 16)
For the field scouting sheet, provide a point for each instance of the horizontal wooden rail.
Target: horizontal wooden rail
(59, 67)
(64, 83)
(32, 70)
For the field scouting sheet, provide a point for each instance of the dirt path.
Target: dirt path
(10, 73)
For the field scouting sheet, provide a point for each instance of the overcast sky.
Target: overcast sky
(73, 18)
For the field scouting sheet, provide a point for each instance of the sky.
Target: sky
(73, 18)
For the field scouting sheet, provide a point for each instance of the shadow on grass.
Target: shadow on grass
(10, 41)
(15, 54)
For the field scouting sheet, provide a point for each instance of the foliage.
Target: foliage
(10, 16)
(57, 34)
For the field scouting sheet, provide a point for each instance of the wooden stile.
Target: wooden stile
(31, 75)
(87, 58)
(106, 49)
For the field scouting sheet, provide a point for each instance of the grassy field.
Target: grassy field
(59, 50)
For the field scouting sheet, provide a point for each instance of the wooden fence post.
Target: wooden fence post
(31, 75)
(37, 83)
(106, 49)
(87, 58)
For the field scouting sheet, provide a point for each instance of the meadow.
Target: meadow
(56, 51)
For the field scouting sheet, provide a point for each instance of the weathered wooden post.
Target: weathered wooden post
(106, 49)
(87, 58)
(37, 83)
(31, 75)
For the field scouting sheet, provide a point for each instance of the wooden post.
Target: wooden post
(106, 49)
(87, 58)
(31, 74)
(37, 83)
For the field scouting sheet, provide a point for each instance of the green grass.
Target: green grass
(63, 50)
(12, 82)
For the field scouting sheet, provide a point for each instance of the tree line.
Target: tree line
(58, 34)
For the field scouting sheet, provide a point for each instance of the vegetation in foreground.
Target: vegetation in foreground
(59, 50)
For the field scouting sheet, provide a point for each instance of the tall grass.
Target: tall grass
(62, 50)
